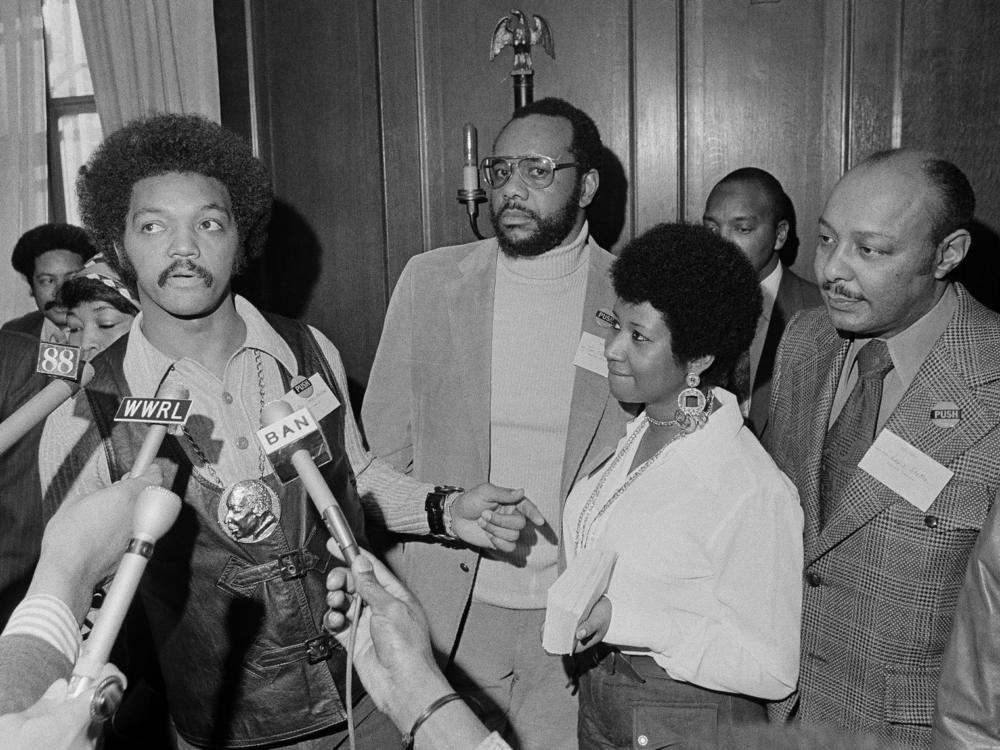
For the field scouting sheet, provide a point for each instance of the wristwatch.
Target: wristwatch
(435, 510)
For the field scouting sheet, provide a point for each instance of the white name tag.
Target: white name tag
(908, 472)
(590, 354)
(313, 394)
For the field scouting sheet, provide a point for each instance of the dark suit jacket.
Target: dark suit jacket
(794, 294)
(29, 323)
(882, 578)
(21, 522)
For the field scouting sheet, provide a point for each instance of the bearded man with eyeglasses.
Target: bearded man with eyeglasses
(483, 373)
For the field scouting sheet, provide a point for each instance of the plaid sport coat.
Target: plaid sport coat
(881, 580)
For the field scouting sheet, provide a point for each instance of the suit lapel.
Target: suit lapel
(590, 436)
(765, 368)
(938, 380)
(470, 316)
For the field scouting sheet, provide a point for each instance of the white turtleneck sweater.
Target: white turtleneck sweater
(537, 314)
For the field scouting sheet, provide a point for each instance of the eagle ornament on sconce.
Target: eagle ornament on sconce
(521, 37)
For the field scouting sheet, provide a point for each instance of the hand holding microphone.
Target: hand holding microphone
(156, 509)
(38, 407)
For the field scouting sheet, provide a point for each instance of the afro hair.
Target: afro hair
(703, 286)
(47, 237)
(169, 143)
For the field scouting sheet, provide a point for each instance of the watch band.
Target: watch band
(434, 505)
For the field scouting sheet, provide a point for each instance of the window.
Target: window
(74, 128)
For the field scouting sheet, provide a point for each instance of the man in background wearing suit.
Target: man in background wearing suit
(21, 521)
(902, 360)
(749, 208)
(46, 256)
(474, 378)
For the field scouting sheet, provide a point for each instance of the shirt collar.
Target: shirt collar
(706, 450)
(145, 366)
(910, 347)
(51, 333)
(769, 288)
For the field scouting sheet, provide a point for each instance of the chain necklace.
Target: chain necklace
(248, 509)
(585, 523)
(687, 422)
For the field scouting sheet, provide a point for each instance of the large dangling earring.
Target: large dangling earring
(691, 411)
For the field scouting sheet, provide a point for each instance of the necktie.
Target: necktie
(853, 432)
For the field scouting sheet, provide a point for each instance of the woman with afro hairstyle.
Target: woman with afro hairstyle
(700, 621)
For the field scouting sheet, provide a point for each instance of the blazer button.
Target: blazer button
(814, 579)
(464, 567)
(931, 522)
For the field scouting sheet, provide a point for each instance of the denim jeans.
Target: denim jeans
(630, 702)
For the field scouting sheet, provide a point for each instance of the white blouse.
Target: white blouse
(708, 580)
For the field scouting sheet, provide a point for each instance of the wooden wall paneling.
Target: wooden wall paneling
(951, 91)
(755, 94)
(875, 76)
(657, 63)
(831, 159)
(234, 74)
(320, 70)
(461, 84)
(403, 146)
(951, 106)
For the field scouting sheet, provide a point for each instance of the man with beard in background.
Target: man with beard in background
(483, 372)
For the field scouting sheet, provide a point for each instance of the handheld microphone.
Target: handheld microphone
(170, 407)
(333, 517)
(156, 509)
(38, 407)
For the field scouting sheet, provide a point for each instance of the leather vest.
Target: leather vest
(237, 627)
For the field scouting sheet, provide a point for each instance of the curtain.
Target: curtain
(23, 158)
(150, 56)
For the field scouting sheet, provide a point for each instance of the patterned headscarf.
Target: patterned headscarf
(98, 269)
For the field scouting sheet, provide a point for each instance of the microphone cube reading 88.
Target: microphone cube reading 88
(59, 361)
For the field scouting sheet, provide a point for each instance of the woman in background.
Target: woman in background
(100, 308)
(700, 622)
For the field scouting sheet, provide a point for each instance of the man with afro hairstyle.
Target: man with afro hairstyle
(46, 256)
(178, 204)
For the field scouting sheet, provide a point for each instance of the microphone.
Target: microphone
(170, 407)
(38, 407)
(156, 509)
(294, 431)
(470, 193)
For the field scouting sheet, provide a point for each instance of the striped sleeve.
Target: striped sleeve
(49, 619)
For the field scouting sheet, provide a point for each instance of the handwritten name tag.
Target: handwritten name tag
(908, 472)
(590, 354)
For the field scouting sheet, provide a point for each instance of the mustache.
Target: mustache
(53, 304)
(840, 290)
(515, 206)
(188, 267)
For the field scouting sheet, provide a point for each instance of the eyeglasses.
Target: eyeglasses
(536, 171)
